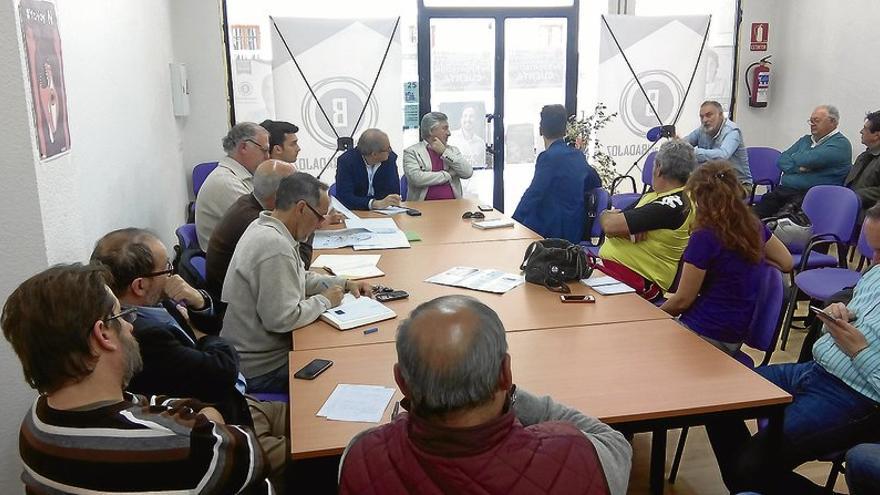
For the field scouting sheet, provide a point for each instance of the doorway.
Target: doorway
(490, 70)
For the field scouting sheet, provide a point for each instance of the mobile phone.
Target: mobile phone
(821, 312)
(313, 369)
(413, 212)
(391, 296)
(485, 207)
(577, 298)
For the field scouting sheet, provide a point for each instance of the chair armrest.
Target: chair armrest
(816, 241)
(620, 178)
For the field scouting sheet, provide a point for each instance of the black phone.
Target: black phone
(577, 298)
(413, 212)
(822, 312)
(391, 296)
(313, 369)
(485, 207)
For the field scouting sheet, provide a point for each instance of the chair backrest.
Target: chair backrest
(403, 187)
(200, 173)
(765, 320)
(648, 171)
(187, 237)
(602, 203)
(832, 210)
(332, 190)
(762, 164)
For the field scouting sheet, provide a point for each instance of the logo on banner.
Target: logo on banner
(665, 92)
(342, 99)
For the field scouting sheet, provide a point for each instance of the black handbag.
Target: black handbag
(553, 262)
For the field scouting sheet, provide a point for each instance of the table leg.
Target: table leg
(658, 461)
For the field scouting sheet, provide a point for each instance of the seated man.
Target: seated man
(821, 157)
(553, 204)
(268, 291)
(283, 142)
(179, 358)
(644, 244)
(835, 402)
(469, 426)
(433, 168)
(238, 217)
(246, 146)
(864, 176)
(718, 138)
(366, 176)
(85, 434)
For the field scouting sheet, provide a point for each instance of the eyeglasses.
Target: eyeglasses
(169, 269)
(479, 215)
(258, 145)
(321, 218)
(129, 315)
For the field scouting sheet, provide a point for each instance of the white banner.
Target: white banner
(663, 52)
(340, 59)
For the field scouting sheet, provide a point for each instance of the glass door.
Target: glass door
(490, 70)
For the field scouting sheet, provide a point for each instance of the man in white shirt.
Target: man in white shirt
(246, 146)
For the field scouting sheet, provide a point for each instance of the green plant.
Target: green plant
(583, 134)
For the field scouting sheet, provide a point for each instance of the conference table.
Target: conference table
(620, 359)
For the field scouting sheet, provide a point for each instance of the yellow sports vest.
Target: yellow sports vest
(655, 258)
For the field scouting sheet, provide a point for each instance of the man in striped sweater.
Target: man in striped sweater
(84, 434)
(836, 397)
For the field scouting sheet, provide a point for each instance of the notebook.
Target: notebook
(357, 311)
(607, 286)
(495, 223)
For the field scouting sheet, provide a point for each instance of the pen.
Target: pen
(371, 330)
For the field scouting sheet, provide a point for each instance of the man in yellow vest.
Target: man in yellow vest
(644, 243)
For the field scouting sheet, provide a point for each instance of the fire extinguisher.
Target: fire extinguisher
(759, 88)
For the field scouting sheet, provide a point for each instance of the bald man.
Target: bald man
(237, 218)
(467, 425)
(367, 176)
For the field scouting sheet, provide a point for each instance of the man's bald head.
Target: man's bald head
(450, 352)
(266, 179)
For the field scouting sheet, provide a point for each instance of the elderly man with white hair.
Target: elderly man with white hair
(434, 169)
(821, 157)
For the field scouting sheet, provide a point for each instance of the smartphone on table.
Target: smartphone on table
(577, 298)
(485, 207)
(313, 369)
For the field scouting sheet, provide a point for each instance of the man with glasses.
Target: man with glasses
(268, 291)
(367, 176)
(85, 433)
(821, 157)
(246, 146)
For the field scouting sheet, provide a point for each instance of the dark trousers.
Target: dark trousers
(774, 200)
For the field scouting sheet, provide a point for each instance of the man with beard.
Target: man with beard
(718, 138)
(84, 433)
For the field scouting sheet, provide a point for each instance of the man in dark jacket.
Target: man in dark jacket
(864, 176)
(179, 359)
(367, 176)
(468, 426)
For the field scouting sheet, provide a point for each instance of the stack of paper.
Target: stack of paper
(338, 206)
(361, 403)
(495, 223)
(357, 311)
(350, 266)
(494, 281)
(391, 210)
(607, 285)
(369, 233)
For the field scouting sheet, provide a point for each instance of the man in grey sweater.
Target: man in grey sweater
(269, 291)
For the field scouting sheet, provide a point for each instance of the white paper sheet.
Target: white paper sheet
(375, 225)
(383, 241)
(468, 277)
(607, 286)
(360, 403)
(338, 206)
(391, 210)
(350, 266)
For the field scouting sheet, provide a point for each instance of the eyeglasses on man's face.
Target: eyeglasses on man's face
(129, 315)
(169, 269)
(258, 145)
(321, 218)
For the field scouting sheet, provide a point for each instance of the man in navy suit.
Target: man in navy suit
(553, 204)
(366, 176)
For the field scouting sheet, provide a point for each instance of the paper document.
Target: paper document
(362, 403)
(338, 206)
(356, 311)
(359, 239)
(495, 223)
(494, 281)
(391, 210)
(607, 286)
(376, 225)
(350, 266)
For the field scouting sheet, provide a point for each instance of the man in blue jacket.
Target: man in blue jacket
(821, 157)
(553, 204)
(366, 176)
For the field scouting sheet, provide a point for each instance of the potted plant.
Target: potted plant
(583, 133)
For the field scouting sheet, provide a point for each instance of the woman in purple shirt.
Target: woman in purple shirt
(720, 272)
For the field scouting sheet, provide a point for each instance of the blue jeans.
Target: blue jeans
(825, 416)
(276, 381)
(863, 469)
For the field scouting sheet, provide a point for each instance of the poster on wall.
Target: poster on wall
(663, 52)
(340, 59)
(42, 44)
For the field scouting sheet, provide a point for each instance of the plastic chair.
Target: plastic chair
(602, 201)
(763, 334)
(833, 211)
(332, 190)
(187, 237)
(762, 164)
(403, 187)
(192, 268)
(200, 173)
(625, 200)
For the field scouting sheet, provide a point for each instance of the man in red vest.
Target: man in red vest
(468, 429)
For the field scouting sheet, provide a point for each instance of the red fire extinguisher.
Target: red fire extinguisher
(759, 78)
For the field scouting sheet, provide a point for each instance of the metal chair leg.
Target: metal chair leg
(679, 451)
(789, 313)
